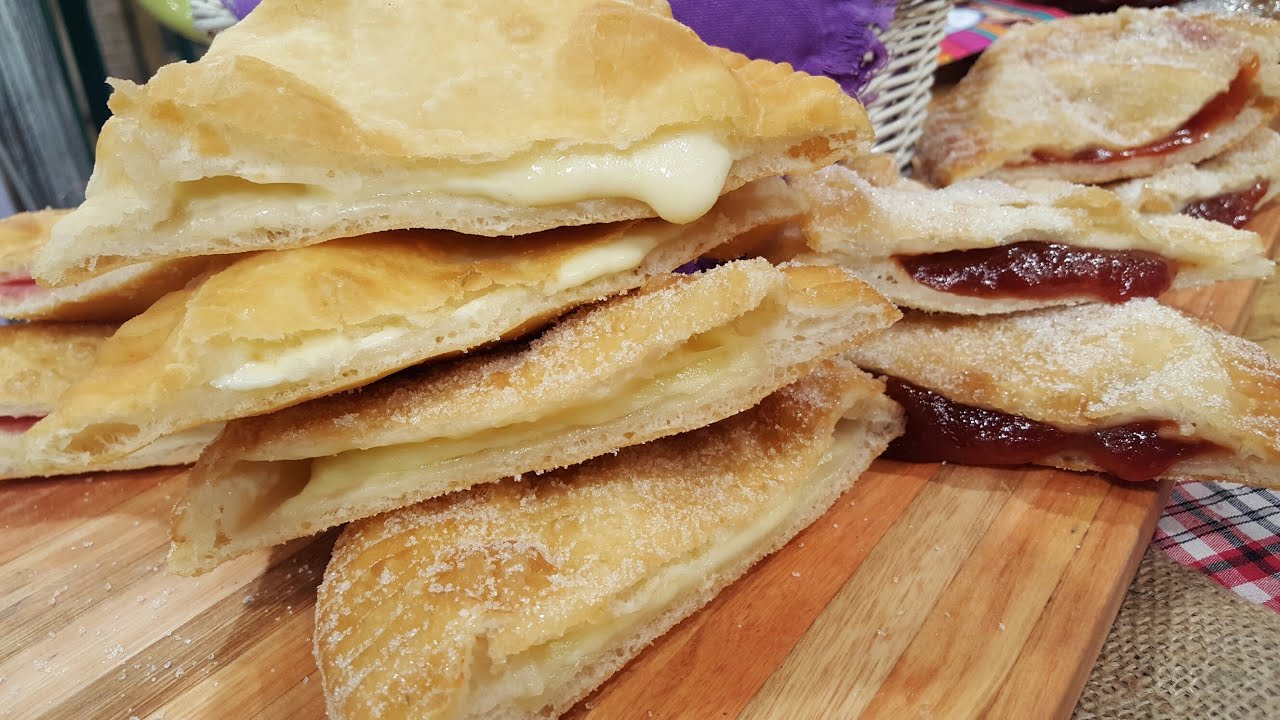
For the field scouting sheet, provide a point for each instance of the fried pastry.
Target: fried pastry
(277, 328)
(680, 354)
(1098, 98)
(1227, 188)
(37, 364)
(1138, 390)
(515, 599)
(113, 297)
(502, 117)
(984, 246)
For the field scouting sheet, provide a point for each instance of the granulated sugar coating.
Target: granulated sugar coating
(549, 368)
(681, 354)
(1094, 366)
(872, 230)
(526, 594)
(1119, 80)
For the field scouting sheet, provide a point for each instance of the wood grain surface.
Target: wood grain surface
(927, 590)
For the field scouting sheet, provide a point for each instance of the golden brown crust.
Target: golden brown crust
(481, 84)
(21, 235)
(1116, 80)
(17, 461)
(862, 227)
(1231, 133)
(1098, 366)
(113, 297)
(1254, 159)
(39, 362)
(274, 329)
(432, 606)
(527, 408)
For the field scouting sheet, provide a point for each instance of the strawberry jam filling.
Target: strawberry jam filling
(1040, 270)
(1235, 209)
(17, 424)
(1220, 110)
(940, 430)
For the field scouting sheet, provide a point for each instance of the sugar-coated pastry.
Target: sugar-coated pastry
(679, 354)
(277, 328)
(1228, 187)
(37, 364)
(515, 599)
(1138, 390)
(113, 297)
(500, 117)
(1097, 98)
(984, 246)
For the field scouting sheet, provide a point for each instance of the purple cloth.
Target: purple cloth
(835, 38)
(240, 8)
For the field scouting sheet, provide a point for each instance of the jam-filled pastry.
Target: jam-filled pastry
(1137, 390)
(679, 354)
(516, 599)
(984, 247)
(499, 117)
(1228, 188)
(274, 329)
(37, 364)
(113, 297)
(1097, 98)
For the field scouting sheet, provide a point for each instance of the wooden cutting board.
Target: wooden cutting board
(926, 591)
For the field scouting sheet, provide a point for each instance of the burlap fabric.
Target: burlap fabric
(1183, 647)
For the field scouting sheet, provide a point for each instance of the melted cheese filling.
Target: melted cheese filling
(529, 680)
(319, 357)
(679, 175)
(378, 472)
(313, 357)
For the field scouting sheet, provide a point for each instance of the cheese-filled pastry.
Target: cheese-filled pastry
(1097, 98)
(681, 353)
(1228, 188)
(516, 599)
(276, 328)
(983, 246)
(37, 364)
(113, 297)
(497, 117)
(1137, 390)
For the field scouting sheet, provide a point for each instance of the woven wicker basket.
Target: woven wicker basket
(900, 93)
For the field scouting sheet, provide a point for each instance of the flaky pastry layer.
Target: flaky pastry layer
(1096, 366)
(483, 125)
(862, 227)
(681, 353)
(1255, 158)
(18, 461)
(39, 362)
(515, 599)
(113, 297)
(1115, 80)
(277, 328)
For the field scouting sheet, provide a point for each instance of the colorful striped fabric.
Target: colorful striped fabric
(974, 24)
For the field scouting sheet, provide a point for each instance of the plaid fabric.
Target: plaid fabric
(1230, 533)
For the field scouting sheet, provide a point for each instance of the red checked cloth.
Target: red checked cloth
(1230, 533)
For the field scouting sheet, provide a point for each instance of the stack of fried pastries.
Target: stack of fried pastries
(508, 280)
(568, 318)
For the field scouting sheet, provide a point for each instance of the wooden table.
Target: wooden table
(927, 591)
